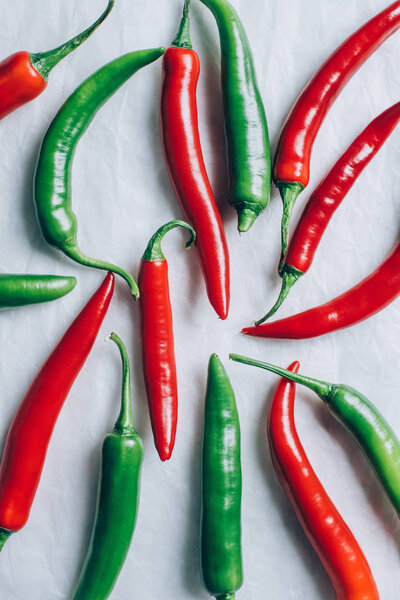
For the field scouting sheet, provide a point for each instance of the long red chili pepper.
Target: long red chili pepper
(328, 196)
(326, 530)
(29, 436)
(23, 76)
(158, 341)
(185, 162)
(357, 304)
(292, 160)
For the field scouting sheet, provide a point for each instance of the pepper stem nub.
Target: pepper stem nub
(289, 277)
(4, 535)
(154, 252)
(321, 388)
(289, 194)
(44, 62)
(124, 424)
(182, 39)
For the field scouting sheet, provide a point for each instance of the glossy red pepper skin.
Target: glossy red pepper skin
(19, 82)
(30, 432)
(370, 296)
(158, 349)
(324, 527)
(292, 161)
(327, 197)
(187, 171)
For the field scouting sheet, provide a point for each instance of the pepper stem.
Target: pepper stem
(75, 253)
(124, 424)
(154, 252)
(289, 278)
(182, 39)
(321, 388)
(289, 194)
(226, 597)
(4, 535)
(247, 217)
(44, 62)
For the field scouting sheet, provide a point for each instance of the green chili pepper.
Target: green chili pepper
(360, 418)
(52, 186)
(246, 126)
(117, 500)
(221, 556)
(20, 290)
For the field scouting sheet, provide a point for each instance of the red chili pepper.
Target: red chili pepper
(357, 304)
(328, 196)
(23, 76)
(324, 527)
(30, 432)
(292, 160)
(185, 162)
(158, 341)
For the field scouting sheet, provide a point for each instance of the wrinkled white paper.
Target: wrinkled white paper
(121, 194)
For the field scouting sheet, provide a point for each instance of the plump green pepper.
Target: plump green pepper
(117, 500)
(221, 555)
(246, 126)
(52, 185)
(20, 290)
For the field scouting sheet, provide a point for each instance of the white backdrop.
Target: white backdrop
(121, 194)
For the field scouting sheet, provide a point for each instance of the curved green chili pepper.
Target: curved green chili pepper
(361, 419)
(20, 290)
(52, 185)
(117, 500)
(221, 556)
(246, 126)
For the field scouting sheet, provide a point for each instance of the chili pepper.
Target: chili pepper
(158, 341)
(362, 421)
(185, 163)
(246, 126)
(324, 527)
(368, 297)
(117, 499)
(30, 432)
(23, 76)
(52, 185)
(327, 197)
(221, 556)
(19, 290)
(292, 160)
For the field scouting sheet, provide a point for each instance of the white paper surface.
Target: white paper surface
(121, 194)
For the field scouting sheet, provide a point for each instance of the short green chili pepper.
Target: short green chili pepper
(246, 126)
(20, 290)
(52, 185)
(221, 556)
(117, 500)
(360, 418)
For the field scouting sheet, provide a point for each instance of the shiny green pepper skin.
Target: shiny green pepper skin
(117, 501)
(20, 290)
(246, 128)
(221, 556)
(53, 177)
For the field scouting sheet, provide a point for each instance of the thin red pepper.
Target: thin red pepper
(328, 196)
(357, 304)
(292, 160)
(30, 432)
(185, 162)
(158, 341)
(324, 527)
(23, 76)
